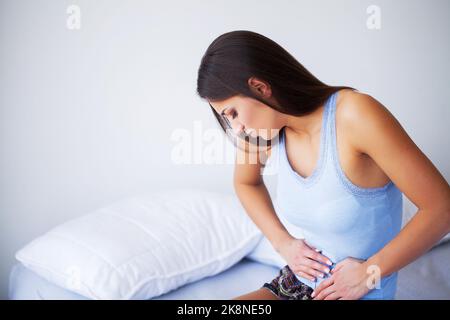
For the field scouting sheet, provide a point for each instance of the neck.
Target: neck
(308, 125)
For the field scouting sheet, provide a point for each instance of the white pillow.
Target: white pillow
(144, 246)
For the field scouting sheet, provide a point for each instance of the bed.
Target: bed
(245, 276)
(426, 278)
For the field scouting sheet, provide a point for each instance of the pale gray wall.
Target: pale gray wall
(86, 115)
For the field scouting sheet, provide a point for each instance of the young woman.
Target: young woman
(344, 162)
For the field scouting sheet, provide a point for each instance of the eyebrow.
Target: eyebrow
(222, 113)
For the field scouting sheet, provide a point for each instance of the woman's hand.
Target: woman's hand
(304, 260)
(348, 281)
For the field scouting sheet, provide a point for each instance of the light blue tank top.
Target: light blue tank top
(336, 216)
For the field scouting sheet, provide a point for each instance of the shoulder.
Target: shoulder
(355, 106)
(360, 115)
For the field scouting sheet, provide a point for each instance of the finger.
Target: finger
(324, 284)
(314, 255)
(314, 273)
(336, 268)
(306, 275)
(302, 271)
(324, 293)
(311, 248)
(332, 296)
(311, 273)
(342, 263)
(316, 268)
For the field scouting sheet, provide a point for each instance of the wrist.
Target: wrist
(279, 241)
(373, 264)
(373, 272)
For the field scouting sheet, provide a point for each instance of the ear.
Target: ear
(260, 87)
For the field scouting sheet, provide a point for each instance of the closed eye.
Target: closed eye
(233, 114)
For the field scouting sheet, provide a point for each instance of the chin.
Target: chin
(268, 134)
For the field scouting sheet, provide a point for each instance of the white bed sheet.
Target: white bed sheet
(243, 277)
(426, 278)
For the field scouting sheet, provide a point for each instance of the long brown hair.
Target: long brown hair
(234, 57)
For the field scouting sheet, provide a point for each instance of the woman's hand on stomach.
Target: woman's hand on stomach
(304, 260)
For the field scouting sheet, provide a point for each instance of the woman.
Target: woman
(344, 162)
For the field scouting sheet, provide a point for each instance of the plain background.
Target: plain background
(87, 115)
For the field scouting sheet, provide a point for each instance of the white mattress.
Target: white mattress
(243, 277)
(426, 278)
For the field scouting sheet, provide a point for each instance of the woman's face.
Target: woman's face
(250, 116)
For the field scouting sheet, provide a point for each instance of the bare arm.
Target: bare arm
(377, 133)
(382, 137)
(256, 201)
(303, 259)
(255, 198)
